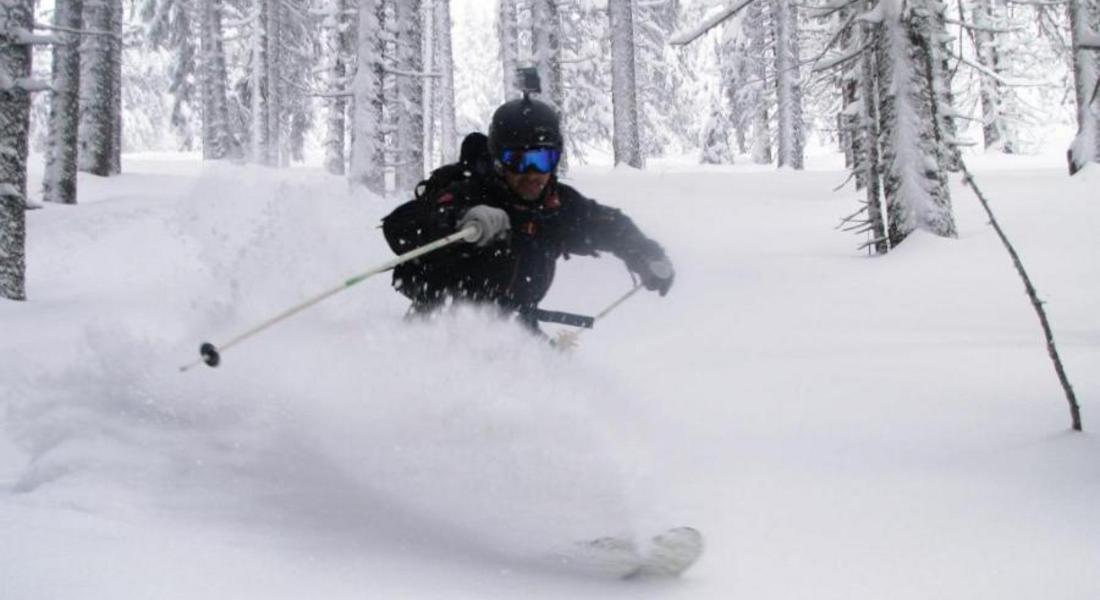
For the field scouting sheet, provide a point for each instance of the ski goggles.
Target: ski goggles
(539, 160)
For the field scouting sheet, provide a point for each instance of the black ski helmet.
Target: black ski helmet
(524, 123)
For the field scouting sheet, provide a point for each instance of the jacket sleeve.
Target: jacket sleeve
(594, 228)
(418, 222)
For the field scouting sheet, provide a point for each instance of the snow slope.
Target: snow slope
(838, 426)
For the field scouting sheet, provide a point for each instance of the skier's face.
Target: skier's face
(528, 185)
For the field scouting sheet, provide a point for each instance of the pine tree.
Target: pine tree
(626, 140)
(789, 129)
(408, 103)
(367, 162)
(338, 28)
(59, 183)
(1084, 18)
(995, 129)
(16, 19)
(659, 79)
(914, 156)
(170, 24)
(759, 98)
(586, 77)
(446, 89)
(218, 140)
(100, 89)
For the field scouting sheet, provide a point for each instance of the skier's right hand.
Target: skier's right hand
(491, 224)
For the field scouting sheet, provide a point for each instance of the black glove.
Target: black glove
(492, 224)
(656, 274)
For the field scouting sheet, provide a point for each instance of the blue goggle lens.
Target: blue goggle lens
(539, 160)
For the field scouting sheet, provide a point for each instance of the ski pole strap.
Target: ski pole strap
(563, 318)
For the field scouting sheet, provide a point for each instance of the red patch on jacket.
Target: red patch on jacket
(528, 228)
(446, 198)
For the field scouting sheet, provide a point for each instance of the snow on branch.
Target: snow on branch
(404, 73)
(7, 189)
(716, 18)
(22, 37)
(1090, 40)
(972, 27)
(829, 8)
(70, 30)
(26, 84)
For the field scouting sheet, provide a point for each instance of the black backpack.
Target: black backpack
(473, 162)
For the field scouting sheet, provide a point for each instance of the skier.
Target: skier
(527, 219)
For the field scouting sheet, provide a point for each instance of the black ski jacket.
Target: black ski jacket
(515, 273)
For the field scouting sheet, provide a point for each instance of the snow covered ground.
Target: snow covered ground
(840, 427)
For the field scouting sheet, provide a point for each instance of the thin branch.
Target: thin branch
(968, 179)
(716, 19)
(997, 76)
(851, 175)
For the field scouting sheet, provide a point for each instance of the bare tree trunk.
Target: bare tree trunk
(16, 18)
(626, 139)
(446, 91)
(59, 183)
(367, 159)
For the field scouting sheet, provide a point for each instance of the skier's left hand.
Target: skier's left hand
(656, 274)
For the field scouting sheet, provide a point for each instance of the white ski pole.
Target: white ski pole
(211, 354)
(567, 340)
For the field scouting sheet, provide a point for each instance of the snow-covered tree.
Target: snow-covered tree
(16, 19)
(626, 139)
(1084, 18)
(337, 25)
(367, 164)
(586, 77)
(789, 128)
(101, 89)
(445, 89)
(716, 145)
(914, 154)
(59, 183)
(170, 24)
(659, 77)
(996, 132)
(745, 85)
(546, 48)
(508, 34)
(409, 159)
(218, 140)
